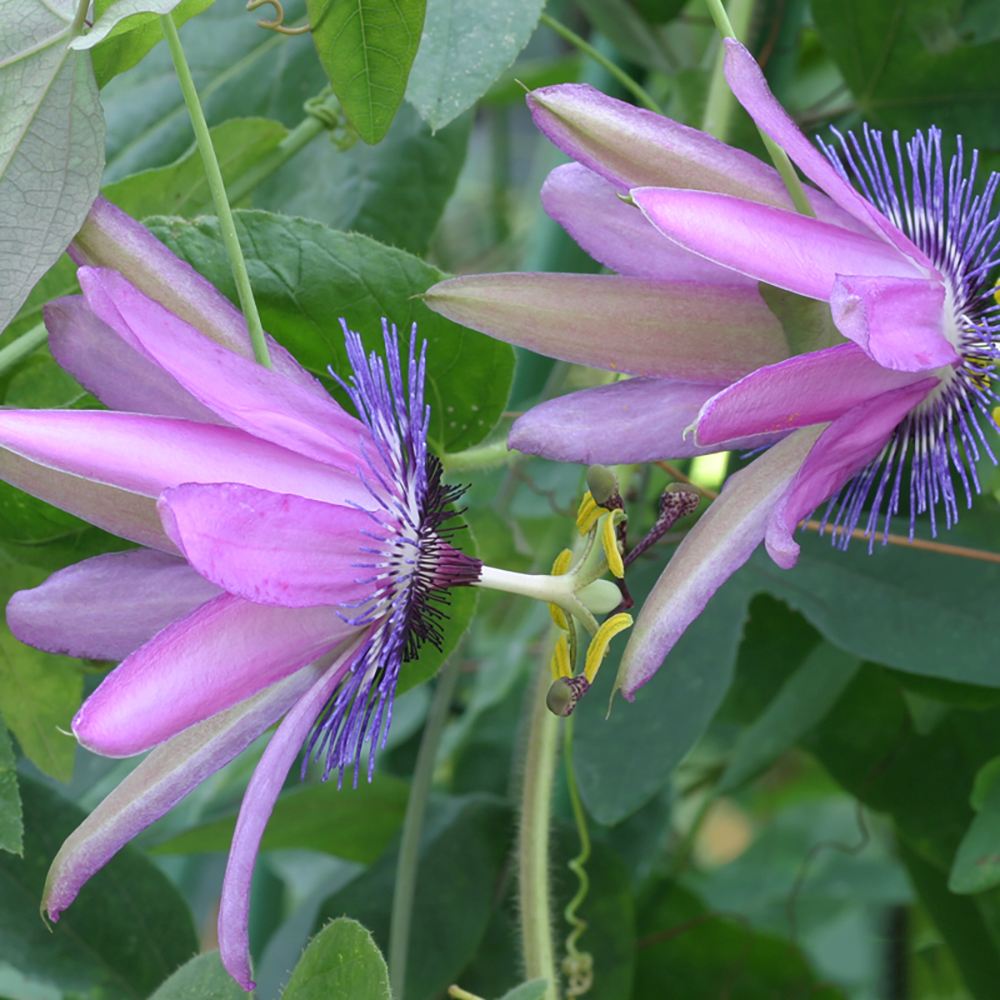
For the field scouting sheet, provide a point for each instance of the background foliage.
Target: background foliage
(805, 802)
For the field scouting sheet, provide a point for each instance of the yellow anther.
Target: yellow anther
(996, 415)
(561, 563)
(559, 617)
(598, 647)
(561, 667)
(996, 292)
(609, 541)
(587, 515)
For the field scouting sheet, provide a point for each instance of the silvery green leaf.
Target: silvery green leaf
(117, 12)
(51, 143)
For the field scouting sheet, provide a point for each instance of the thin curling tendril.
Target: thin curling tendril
(577, 966)
(278, 23)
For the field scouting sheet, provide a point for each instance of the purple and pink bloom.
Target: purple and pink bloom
(875, 404)
(292, 557)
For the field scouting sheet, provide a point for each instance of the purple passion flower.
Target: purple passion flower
(293, 556)
(878, 404)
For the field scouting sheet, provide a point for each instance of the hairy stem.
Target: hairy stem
(537, 945)
(413, 825)
(217, 187)
(616, 71)
(482, 456)
(778, 156)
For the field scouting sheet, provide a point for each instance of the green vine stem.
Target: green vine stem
(535, 890)
(778, 156)
(17, 350)
(217, 187)
(491, 455)
(413, 825)
(721, 102)
(616, 71)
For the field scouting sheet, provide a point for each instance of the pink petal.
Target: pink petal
(631, 147)
(110, 238)
(722, 541)
(106, 607)
(843, 450)
(897, 321)
(688, 331)
(224, 651)
(782, 248)
(264, 403)
(272, 548)
(807, 389)
(638, 420)
(51, 454)
(107, 367)
(165, 777)
(748, 84)
(119, 511)
(258, 802)
(616, 234)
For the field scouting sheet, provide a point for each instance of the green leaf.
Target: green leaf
(39, 694)
(374, 189)
(714, 954)
(11, 821)
(239, 69)
(202, 978)
(914, 610)
(128, 930)
(51, 143)
(465, 845)
(534, 989)
(306, 276)
(180, 188)
(629, 33)
(352, 823)
(133, 38)
(913, 64)
(624, 760)
(800, 704)
(111, 15)
(467, 45)
(367, 48)
(977, 862)
(341, 961)
(960, 922)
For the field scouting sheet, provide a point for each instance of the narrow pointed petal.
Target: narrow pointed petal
(718, 545)
(272, 548)
(638, 420)
(224, 651)
(748, 84)
(122, 512)
(843, 450)
(683, 330)
(807, 389)
(258, 802)
(897, 321)
(617, 234)
(106, 607)
(165, 777)
(107, 367)
(782, 248)
(262, 402)
(48, 452)
(110, 238)
(631, 147)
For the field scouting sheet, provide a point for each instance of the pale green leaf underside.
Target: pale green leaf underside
(466, 46)
(115, 14)
(51, 144)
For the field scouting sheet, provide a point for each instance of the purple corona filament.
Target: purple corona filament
(933, 199)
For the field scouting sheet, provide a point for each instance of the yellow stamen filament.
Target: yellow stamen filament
(598, 647)
(559, 663)
(587, 515)
(609, 542)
